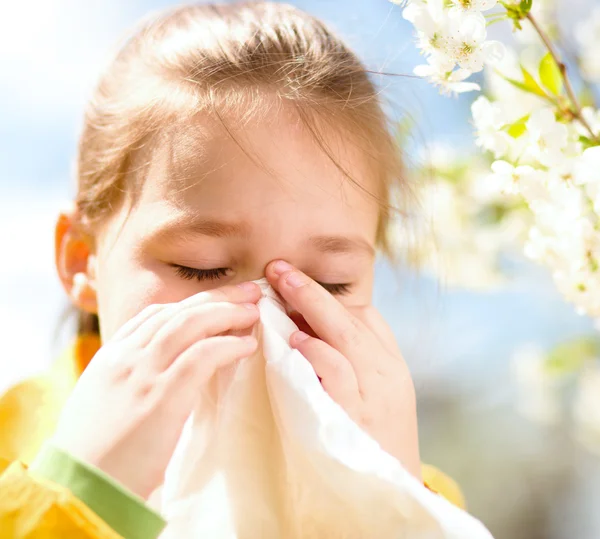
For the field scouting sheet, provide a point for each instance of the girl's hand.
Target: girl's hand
(127, 411)
(358, 361)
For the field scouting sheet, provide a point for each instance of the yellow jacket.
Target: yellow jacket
(33, 507)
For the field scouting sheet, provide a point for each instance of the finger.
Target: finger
(247, 292)
(134, 323)
(333, 369)
(197, 323)
(240, 293)
(198, 363)
(243, 293)
(330, 320)
(373, 319)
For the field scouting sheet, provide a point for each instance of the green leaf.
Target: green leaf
(587, 142)
(525, 6)
(513, 12)
(531, 83)
(528, 85)
(550, 74)
(516, 129)
(520, 85)
(571, 356)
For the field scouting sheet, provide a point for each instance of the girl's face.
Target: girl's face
(207, 215)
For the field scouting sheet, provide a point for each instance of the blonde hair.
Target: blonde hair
(220, 58)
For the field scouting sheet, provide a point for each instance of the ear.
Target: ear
(75, 261)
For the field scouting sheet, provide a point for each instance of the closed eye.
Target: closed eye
(337, 289)
(214, 274)
(200, 274)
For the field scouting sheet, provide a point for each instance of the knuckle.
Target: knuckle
(367, 421)
(185, 368)
(185, 318)
(196, 368)
(314, 295)
(336, 371)
(147, 393)
(161, 389)
(211, 347)
(149, 400)
(350, 335)
(222, 347)
(150, 310)
(311, 288)
(144, 388)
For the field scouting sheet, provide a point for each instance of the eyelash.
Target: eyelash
(216, 273)
(199, 274)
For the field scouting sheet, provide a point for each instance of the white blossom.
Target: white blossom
(542, 156)
(450, 82)
(587, 169)
(489, 119)
(513, 180)
(454, 41)
(474, 5)
(501, 91)
(429, 20)
(547, 136)
(465, 41)
(586, 172)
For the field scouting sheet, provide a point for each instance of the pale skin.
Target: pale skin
(165, 330)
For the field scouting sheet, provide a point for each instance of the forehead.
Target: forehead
(274, 168)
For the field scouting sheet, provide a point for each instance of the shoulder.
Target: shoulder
(29, 410)
(28, 415)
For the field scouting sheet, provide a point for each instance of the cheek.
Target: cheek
(126, 286)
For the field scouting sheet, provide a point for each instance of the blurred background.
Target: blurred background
(475, 326)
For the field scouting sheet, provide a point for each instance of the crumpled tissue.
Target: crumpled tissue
(267, 454)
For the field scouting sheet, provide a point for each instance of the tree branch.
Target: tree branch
(575, 106)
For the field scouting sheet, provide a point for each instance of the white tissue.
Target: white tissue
(268, 454)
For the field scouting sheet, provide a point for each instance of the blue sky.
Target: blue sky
(51, 52)
(52, 62)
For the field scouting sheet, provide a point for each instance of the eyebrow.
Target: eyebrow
(179, 231)
(341, 244)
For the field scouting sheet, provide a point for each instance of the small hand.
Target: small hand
(127, 410)
(358, 361)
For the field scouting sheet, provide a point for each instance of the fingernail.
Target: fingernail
(250, 306)
(248, 286)
(299, 336)
(296, 279)
(281, 267)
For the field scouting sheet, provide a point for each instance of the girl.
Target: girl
(223, 143)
